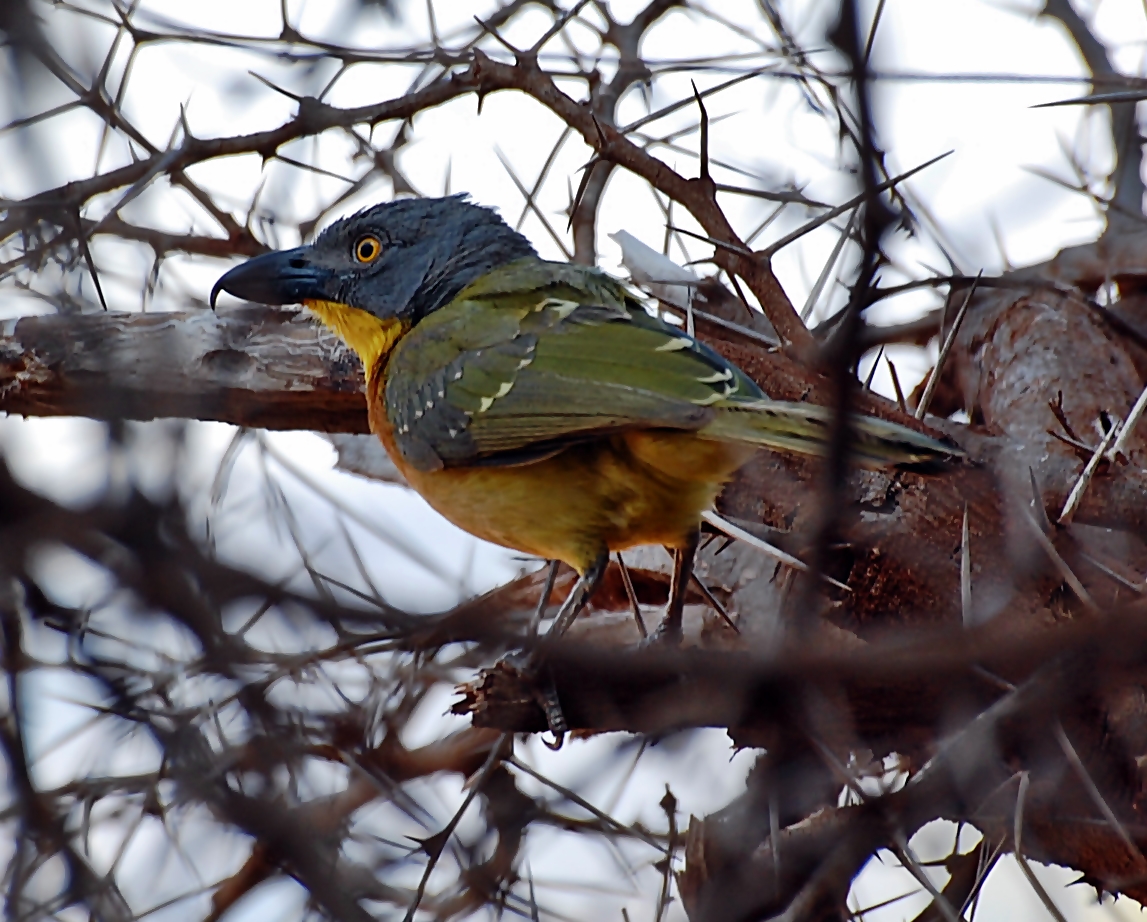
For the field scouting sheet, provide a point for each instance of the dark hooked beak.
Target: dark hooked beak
(283, 277)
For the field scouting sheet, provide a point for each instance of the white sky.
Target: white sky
(991, 208)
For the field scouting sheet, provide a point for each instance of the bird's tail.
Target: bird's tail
(805, 428)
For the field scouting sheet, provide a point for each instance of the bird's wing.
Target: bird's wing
(539, 358)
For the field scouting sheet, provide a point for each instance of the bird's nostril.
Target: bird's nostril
(298, 263)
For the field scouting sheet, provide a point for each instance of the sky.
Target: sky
(950, 81)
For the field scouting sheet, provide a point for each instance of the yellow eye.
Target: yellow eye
(367, 249)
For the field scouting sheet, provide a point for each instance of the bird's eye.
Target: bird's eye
(367, 248)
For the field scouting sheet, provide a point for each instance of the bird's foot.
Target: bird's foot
(529, 668)
(523, 663)
(667, 634)
(547, 697)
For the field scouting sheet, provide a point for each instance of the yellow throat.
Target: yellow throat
(370, 337)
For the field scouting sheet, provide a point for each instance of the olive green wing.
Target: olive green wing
(512, 372)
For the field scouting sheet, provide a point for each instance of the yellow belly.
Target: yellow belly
(646, 487)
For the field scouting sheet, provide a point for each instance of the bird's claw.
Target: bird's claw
(547, 698)
(528, 667)
(665, 635)
(522, 662)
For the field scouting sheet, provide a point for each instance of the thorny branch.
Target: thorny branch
(995, 657)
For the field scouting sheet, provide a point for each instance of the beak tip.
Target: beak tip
(226, 282)
(278, 277)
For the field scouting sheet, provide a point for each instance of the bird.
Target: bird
(539, 404)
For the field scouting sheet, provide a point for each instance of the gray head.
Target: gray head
(397, 259)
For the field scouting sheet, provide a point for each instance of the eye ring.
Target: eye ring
(367, 248)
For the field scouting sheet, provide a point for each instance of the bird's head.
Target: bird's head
(396, 262)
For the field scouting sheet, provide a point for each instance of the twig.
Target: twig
(896, 385)
(982, 872)
(724, 525)
(872, 31)
(1132, 418)
(773, 248)
(497, 36)
(822, 279)
(560, 22)
(1138, 586)
(360, 518)
(1077, 491)
(1065, 571)
(736, 328)
(668, 803)
(682, 103)
(436, 844)
(909, 860)
(858, 914)
(872, 368)
(1097, 798)
(966, 573)
(1038, 506)
(631, 595)
(635, 831)
(1096, 98)
(534, 914)
(775, 831)
(720, 244)
(786, 198)
(949, 340)
(530, 203)
(1083, 448)
(843, 773)
(543, 173)
(703, 172)
(715, 602)
(1021, 859)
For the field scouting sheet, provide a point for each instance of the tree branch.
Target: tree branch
(486, 75)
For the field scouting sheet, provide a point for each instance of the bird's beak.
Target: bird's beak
(283, 277)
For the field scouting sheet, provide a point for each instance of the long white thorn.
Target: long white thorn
(728, 528)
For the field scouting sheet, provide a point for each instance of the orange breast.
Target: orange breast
(645, 487)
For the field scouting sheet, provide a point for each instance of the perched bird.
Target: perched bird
(537, 404)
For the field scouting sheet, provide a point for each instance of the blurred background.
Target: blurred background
(91, 87)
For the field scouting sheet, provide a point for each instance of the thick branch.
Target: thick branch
(736, 865)
(1013, 362)
(252, 366)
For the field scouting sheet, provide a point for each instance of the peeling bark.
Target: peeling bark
(253, 366)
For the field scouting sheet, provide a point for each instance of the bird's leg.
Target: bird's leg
(547, 695)
(669, 630)
(544, 598)
(579, 595)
